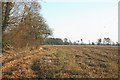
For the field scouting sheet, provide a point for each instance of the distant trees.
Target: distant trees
(75, 43)
(93, 43)
(107, 41)
(117, 43)
(81, 41)
(66, 41)
(99, 41)
(54, 41)
(70, 43)
(58, 41)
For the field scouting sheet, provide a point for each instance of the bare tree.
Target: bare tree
(81, 41)
(99, 41)
(107, 41)
(26, 26)
(6, 10)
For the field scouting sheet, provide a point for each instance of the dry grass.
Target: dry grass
(61, 62)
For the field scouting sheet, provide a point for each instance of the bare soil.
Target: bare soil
(61, 62)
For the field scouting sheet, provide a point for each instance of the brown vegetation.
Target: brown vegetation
(23, 25)
(61, 62)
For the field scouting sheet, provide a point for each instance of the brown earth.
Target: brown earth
(61, 62)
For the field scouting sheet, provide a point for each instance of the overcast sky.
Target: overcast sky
(82, 19)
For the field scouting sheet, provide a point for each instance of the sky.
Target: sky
(82, 19)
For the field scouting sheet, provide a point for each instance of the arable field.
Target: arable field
(49, 61)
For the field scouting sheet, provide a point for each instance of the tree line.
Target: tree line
(65, 41)
(23, 25)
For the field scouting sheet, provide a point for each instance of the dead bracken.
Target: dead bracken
(61, 62)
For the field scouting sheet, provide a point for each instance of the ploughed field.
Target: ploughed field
(61, 62)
